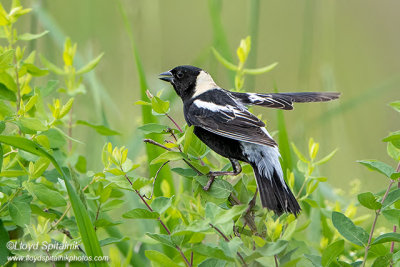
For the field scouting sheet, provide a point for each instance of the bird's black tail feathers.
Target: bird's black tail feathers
(275, 195)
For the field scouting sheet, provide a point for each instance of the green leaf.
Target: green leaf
(393, 151)
(49, 88)
(90, 66)
(153, 128)
(106, 223)
(20, 210)
(349, 230)
(369, 201)
(395, 105)
(391, 198)
(140, 182)
(326, 158)
(101, 129)
(31, 36)
(5, 109)
(260, 70)
(6, 94)
(185, 172)
(32, 123)
(161, 204)
(56, 139)
(299, 154)
(395, 175)
(51, 66)
(382, 261)
(219, 189)
(8, 81)
(35, 71)
(392, 215)
(85, 226)
(388, 237)
(273, 248)
(192, 144)
(332, 252)
(168, 156)
(221, 216)
(160, 106)
(213, 252)
(112, 204)
(163, 239)
(314, 259)
(112, 240)
(378, 166)
(66, 108)
(31, 103)
(224, 61)
(48, 196)
(160, 258)
(6, 59)
(141, 214)
(394, 138)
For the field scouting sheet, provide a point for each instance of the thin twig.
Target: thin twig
(154, 182)
(377, 213)
(174, 122)
(276, 261)
(156, 144)
(159, 219)
(17, 83)
(70, 129)
(62, 217)
(97, 215)
(8, 153)
(227, 240)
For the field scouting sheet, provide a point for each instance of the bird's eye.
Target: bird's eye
(179, 75)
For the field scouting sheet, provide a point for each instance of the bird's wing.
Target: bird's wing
(284, 100)
(231, 121)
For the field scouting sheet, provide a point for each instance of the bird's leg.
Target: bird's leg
(236, 170)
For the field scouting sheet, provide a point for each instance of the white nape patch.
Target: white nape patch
(210, 106)
(255, 98)
(266, 158)
(204, 82)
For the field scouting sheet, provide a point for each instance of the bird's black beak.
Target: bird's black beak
(167, 76)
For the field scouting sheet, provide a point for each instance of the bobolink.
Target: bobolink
(222, 121)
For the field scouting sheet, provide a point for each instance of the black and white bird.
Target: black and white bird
(222, 121)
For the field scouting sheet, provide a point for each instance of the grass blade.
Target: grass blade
(220, 42)
(147, 116)
(254, 21)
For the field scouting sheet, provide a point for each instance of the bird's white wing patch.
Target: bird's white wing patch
(210, 106)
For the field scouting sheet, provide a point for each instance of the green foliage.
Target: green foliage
(34, 150)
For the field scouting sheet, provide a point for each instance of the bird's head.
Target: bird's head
(188, 80)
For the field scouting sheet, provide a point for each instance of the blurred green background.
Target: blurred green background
(346, 46)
